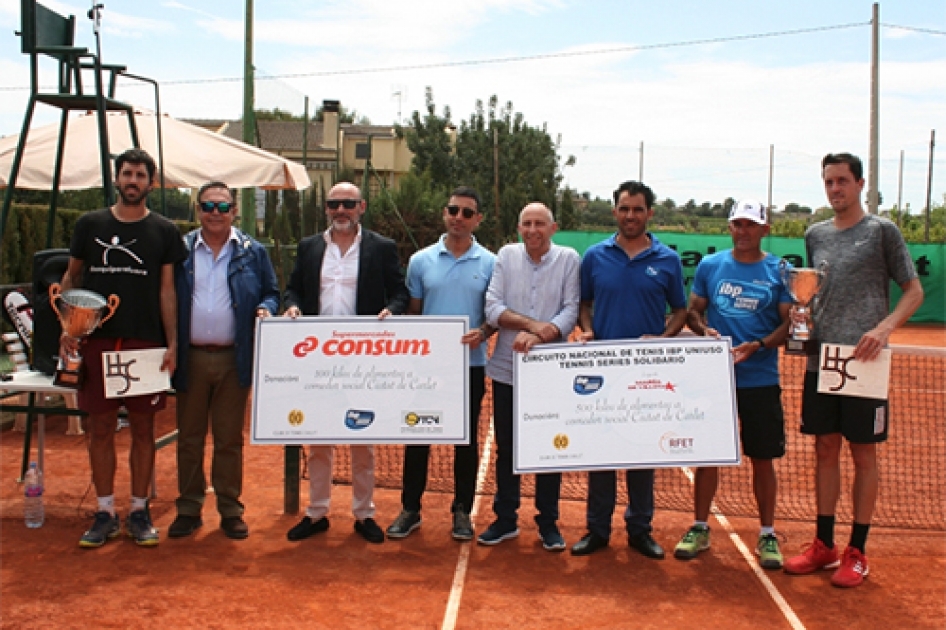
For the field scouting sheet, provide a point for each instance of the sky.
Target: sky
(709, 89)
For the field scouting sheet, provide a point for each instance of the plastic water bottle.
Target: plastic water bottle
(33, 510)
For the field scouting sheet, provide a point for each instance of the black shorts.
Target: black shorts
(859, 420)
(92, 395)
(761, 421)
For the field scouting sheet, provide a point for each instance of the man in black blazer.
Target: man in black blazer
(344, 271)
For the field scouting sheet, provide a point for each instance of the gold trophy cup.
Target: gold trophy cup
(80, 314)
(803, 285)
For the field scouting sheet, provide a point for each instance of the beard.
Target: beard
(344, 225)
(131, 195)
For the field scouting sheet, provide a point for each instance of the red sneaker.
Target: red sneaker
(853, 569)
(814, 557)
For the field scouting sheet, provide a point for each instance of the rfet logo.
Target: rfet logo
(675, 444)
(347, 346)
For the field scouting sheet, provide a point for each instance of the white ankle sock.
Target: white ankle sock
(107, 504)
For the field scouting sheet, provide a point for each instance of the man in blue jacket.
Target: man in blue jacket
(226, 282)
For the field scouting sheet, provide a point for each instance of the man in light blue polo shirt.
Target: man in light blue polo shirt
(450, 277)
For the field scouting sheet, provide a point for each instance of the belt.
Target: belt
(211, 348)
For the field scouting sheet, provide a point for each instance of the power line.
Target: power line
(516, 59)
(928, 31)
(521, 58)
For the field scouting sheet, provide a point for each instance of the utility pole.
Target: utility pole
(499, 227)
(873, 194)
(640, 164)
(248, 195)
(900, 192)
(305, 164)
(929, 187)
(771, 173)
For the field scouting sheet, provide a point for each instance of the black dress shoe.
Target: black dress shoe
(589, 544)
(646, 545)
(369, 530)
(184, 525)
(307, 527)
(234, 527)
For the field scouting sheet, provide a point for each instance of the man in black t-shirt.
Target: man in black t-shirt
(128, 251)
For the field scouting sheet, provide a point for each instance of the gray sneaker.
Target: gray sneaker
(406, 522)
(103, 528)
(139, 528)
(462, 525)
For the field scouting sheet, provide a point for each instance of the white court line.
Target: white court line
(459, 575)
(749, 556)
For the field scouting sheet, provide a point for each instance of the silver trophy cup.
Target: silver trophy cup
(80, 312)
(803, 285)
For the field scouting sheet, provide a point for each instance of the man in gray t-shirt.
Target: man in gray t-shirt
(864, 253)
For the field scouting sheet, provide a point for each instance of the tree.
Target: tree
(276, 114)
(598, 215)
(794, 208)
(428, 140)
(345, 115)
(528, 161)
(567, 213)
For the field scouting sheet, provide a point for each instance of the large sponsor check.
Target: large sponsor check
(360, 380)
(627, 404)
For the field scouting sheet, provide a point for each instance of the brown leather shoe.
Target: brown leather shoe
(234, 527)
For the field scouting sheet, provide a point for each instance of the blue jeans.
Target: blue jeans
(547, 486)
(602, 497)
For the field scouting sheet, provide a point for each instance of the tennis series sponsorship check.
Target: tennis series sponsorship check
(646, 403)
(361, 380)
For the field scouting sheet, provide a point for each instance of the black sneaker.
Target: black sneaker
(462, 525)
(405, 523)
(104, 527)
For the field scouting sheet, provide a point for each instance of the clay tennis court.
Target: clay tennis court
(337, 580)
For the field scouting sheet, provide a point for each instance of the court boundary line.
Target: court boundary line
(452, 611)
(749, 556)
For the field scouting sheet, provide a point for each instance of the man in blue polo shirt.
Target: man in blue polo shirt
(450, 277)
(627, 282)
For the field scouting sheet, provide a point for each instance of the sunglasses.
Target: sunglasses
(468, 213)
(334, 204)
(223, 207)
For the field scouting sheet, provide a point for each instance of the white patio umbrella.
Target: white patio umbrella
(192, 156)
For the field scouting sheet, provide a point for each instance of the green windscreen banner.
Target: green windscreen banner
(928, 258)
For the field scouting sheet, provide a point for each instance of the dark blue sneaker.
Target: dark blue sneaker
(496, 533)
(103, 528)
(552, 539)
(139, 528)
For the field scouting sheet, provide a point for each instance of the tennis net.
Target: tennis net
(912, 462)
